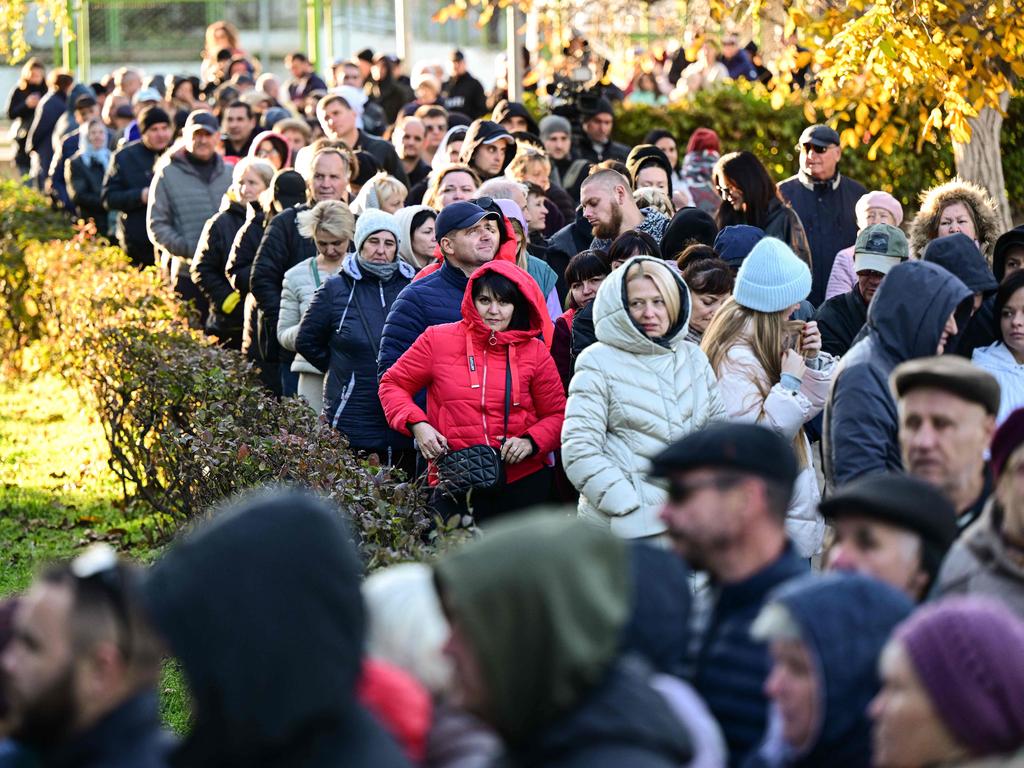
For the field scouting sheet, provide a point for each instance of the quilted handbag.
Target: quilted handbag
(478, 467)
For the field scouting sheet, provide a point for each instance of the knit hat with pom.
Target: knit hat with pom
(772, 278)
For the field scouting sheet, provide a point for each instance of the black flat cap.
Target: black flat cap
(819, 136)
(899, 500)
(950, 373)
(745, 448)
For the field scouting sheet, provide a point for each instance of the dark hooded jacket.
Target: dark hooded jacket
(130, 172)
(959, 255)
(644, 155)
(239, 273)
(542, 601)
(209, 271)
(840, 320)
(659, 623)
(905, 321)
(505, 109)
(480, 132)
(845, 620)
(464, 94)
(340, 334)
(262, 608)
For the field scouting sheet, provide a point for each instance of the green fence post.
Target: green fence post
(114, 36)
(82, 33)
(69, 50)
(314, 18)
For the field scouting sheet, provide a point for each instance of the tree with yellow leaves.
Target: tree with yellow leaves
(14, 17)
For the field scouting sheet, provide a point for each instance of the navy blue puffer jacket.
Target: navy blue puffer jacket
(340, 334)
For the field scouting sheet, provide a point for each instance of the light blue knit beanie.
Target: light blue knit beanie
(375, 220)
(772, 278)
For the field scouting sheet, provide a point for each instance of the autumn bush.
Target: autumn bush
(186, 421)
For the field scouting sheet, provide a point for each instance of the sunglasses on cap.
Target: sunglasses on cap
(98, 569)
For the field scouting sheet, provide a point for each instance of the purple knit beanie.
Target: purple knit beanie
(969, 654)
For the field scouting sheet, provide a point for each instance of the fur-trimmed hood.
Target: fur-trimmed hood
(925, 225)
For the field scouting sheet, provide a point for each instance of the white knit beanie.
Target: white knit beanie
(772, 278)
(375, 220)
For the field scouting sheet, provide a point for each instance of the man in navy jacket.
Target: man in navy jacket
(728, 489)
(824, 199)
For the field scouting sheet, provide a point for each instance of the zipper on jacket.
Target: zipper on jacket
(483, 401)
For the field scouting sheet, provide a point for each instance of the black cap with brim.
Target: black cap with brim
(819, 136)
(744, 448)
(900, 501)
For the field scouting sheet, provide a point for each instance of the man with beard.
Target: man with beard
(729, 486)
(607, 200)
(81, 668)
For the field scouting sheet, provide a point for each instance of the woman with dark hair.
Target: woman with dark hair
(710, 282)
(751, 197)
(584, 274)
(490, 381)
(21, 107)
(627, 245)
(1004, 358)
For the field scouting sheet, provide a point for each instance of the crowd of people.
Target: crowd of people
(787, 424)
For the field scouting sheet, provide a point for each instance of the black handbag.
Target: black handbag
(478, 467)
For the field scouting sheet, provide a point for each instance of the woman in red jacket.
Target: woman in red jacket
(462, 366)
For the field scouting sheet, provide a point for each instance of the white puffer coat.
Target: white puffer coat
(629, 399)
(784, 411)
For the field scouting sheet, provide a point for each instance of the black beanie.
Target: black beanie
(689, 225)
(152, 116)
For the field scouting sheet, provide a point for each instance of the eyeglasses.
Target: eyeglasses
(814, 148)
(98, 568)
(728, 193)
(680, 492)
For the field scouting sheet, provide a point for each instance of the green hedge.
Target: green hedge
(187, 422)
(744, 119)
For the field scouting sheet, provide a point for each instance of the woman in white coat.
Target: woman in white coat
(772, 371)
(1004, 358)
(638, 389)
(329, 224)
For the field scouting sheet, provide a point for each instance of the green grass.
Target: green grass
(58, 495)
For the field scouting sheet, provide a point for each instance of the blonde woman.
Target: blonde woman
(957, 206)
(638, 389)
(330, 225)
(382, 191)
(771, 371)
(249, 179)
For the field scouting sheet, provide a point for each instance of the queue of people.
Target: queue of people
(726, 385)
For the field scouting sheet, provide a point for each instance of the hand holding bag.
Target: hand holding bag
(478, 467)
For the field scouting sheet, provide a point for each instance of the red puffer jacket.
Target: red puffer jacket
(462, 366)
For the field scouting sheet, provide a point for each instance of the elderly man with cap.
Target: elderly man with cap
(894, 528)
(340, 114)
(126, 186)
(947, 415)
(186, 190)
(879, 248)
(825, 200)
(988, 559)
(468, 239)
(729, 486)
(596, 144)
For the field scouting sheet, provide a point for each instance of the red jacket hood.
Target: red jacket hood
(527, 286)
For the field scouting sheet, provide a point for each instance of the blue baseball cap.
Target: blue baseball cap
(459, 215)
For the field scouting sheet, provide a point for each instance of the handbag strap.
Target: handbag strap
(508, 391)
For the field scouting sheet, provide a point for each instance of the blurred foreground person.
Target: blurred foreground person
(826, 634)
(80, 670)
(537, 610)
(261, 606)
(951, 689)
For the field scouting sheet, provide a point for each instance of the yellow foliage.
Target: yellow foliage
(14, 14)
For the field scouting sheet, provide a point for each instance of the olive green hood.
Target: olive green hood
(543, 601)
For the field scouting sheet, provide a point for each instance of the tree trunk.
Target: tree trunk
(981, 161)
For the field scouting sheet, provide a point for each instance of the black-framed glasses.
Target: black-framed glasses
(680, 492)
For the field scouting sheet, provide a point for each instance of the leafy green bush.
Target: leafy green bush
(187, 422)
